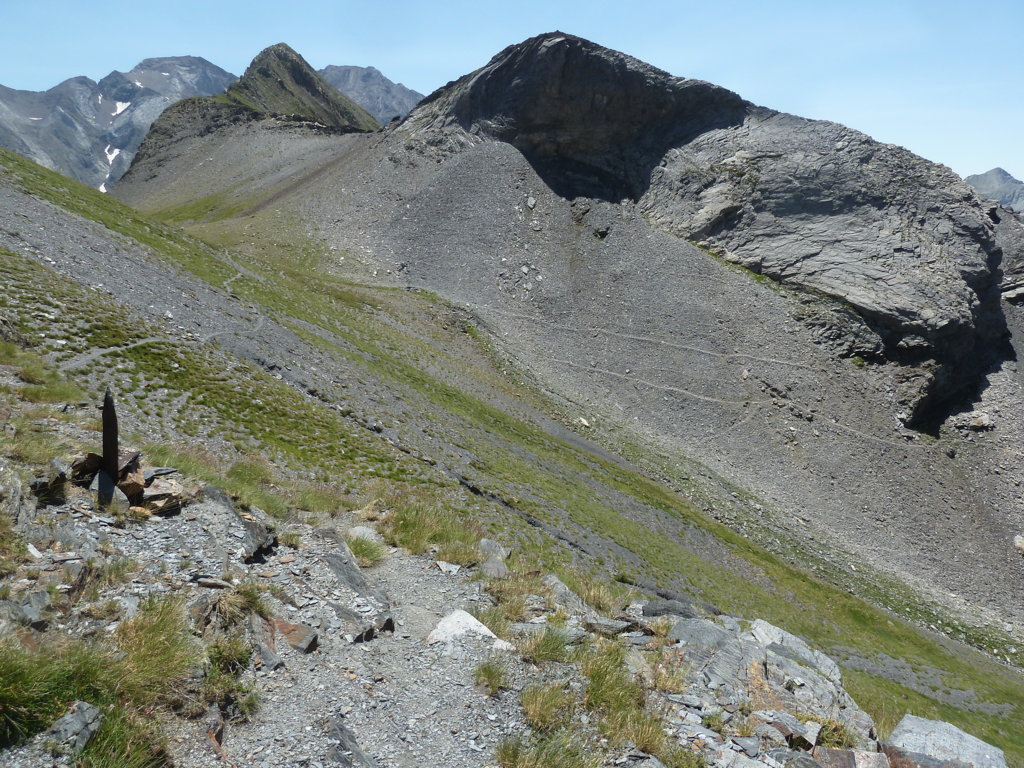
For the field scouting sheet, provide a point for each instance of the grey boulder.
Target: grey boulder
(939, 741)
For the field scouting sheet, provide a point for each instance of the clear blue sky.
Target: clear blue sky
(943, 78)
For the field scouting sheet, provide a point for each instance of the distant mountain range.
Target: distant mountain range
(1000, 186)
(91, 131)
(376, 94)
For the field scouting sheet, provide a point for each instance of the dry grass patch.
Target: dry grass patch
(233, 606)
(511, 592)
(547, 708)
(559, 750)
(833, 733)
(597, 593)
(669, 671)
(147, 665)
(494, 619)
(545, 647)
(416, 520)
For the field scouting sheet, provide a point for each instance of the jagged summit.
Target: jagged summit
(595, 120)
(280, 82)
(1001, 186)
(90, 131)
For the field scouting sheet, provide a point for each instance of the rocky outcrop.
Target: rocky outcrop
(901, 241)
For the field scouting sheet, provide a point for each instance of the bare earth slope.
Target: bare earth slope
(556, 193)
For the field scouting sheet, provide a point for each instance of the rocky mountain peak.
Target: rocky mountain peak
(369, 88)
(280, 82)
(811, 204)
(1000, 186)
(592, 119)
(178, 77)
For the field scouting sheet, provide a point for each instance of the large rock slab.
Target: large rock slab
(75, 730)
(920, 743)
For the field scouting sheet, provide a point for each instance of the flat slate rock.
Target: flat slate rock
(347, 751)
(931, 743)
(299, 636)
(75, 729)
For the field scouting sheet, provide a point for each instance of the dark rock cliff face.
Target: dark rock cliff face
(813, 205)
(593, 121)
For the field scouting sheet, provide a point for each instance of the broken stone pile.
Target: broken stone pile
(751, 695)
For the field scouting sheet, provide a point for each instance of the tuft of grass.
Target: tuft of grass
(610, 688)
(833, 733)
(126, 740)
(12, 548)
(544, 647)
(232, 606)
(669, 671)
(32, 443)
(228, 657)
(492, 675)
(619, 699)
(459, 552)
(415, 521)
(599, 594)
(743, 727)
(33, 372)
(321, 498)
(366, 551)
(547, 708)
(558, 750)
(677, 757)
(714, 722)
(638, 726)
(494, 619)
(252, 470)
(149, 662)
(291, 539)
(158, 652)
(42, 382)
(510, 593)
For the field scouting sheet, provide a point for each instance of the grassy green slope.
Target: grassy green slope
(649, 533)
(280, 82)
